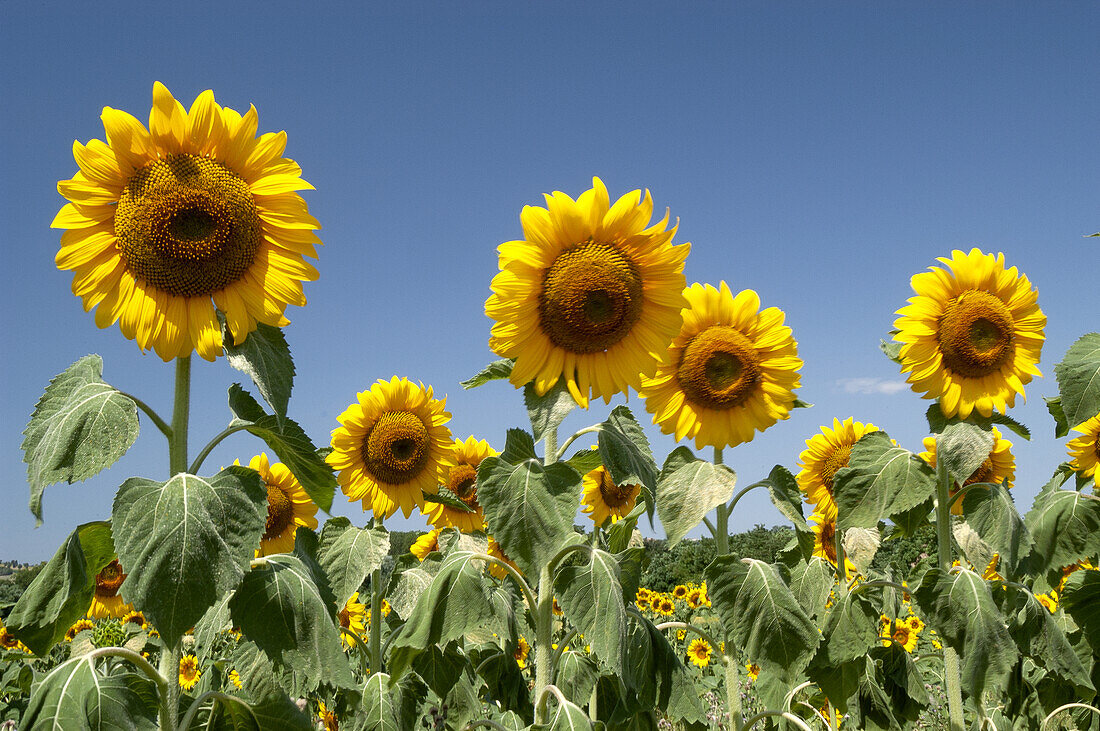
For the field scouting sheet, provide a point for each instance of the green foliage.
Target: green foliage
(688, 489)
(497, 369)
(80, 426)
(378, 709)
(1079, 380)
(625, 453)
(666, 567)
(549, 410)
(991, 512)
(880, 480)
(348, 554)
(75, 696)
(265, 357)
(963, 447)
(1065, 526)
(592, 599)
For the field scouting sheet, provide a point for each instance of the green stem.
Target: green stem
(153, 416)
(544, 658)
(528, 592)
(177, 445)
(376, 615)
(721, 519)
(587, 430)
(744, 491)
(170, 670)
(952, 676)
(551, 447)
(841, 562)
(722, 543)
(194, 468)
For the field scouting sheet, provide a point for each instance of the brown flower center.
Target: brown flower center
(280, 512)
(719, 368)
(462, 481)
(345, 618)
(976, 334)
(590, 299)
(109, 580)
(396, 448)
(828, 540)
(187, 225)
(984, 473)
(901, 633)
(838, 457)
(614, 496)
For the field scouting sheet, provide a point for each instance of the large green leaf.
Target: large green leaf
(625, 452)
(811, 582)
(270, 704)
(1043, 638)
(1065, 526)
(961, 610)
(348, 554)
(282, 608)
(379, 712)
(497, 369)
(851, 630)
(1080, 598)
(80, 426)
(880, 480)
(761, 614)
(265, 357)
(689, 492)
(76, 696)
(440, 667)
(576, 675)
(528, 506)
(992, 514)
(549, 410)
(1079, 380)
(565, 717)
(62, 591)
(289, 442)
(592, 598)
(900, 679)
(963, 447)
(410, 579)
(186, 542)
(505, 684)
(1061, 424)
(786, 497)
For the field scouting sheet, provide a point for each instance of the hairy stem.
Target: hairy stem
(952, 676)
(722, 518)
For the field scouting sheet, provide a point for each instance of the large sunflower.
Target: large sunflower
(1085, 450)
(106, 603)
(699, 652)
(288, 506)
(732, 370)
(590, 294)
(390, 446)
(999, 466)
(459, 475)
(603, 499)
(196, 208)
(823, 457)
(972, 335)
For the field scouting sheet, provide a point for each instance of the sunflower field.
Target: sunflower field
(217, 599)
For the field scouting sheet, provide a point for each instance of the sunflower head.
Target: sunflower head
(106, 603)
(1084, 451)
(667, 606)
(522, 649)
(603, 499)
(165, 223)
(824, 528)
(972, 335)
(699, 652)
(998, 467)
(590, 295)
(1049, 601)
(730, 372)
(898, 632)
(189, 672)
(288, 506)
(353, 618)
(458, 473)
(823, 457)
(425, 543)
(79, 626)
(390, 446)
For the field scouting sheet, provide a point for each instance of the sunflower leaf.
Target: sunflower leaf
(592, 598)
(79, 427)
(625, 453)
(192, 537)
(1042, 637)
(289, 442)
(621, 531)
(549, 410)
(689, 492)
(811, 582)
(1079, 380)
(576, 675)
(282, 607)
(1011, 424)
(497, 369)
(443, 496)
(850, 631)
(786, 497)
(963, 447)
(1080, 598)
(892, 349)
(566, 717)
(269, 702)
(1061, 426)
(585, 460)
(880, 480)
(63, 590)
(75, 696)
(348, 555)
(378, 713)
(265, 357)
(992, 514)
(1065, 525)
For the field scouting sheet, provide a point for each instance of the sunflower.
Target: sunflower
(8, 641)
(731, 370)
(459, 475)
(1069, 570)
(189, 671)
(106, 603)
(288, 506)
(753, 671)
(916, 623)
(327, 717)
(425, 544)
(1050, 600)
(1085, 450)
(590, 295)
(825, 454)
(197, 211)
(655, 601)
(998, 466)
(390, 446)
(78, 627)
(898, 632)
(496, 551)
(699, 652)
(972, 335)
(603, 499)
(666, 607)
(352, 617)
(135, 618)
(824, 529)
(695, 598)
(680, 591)
(520, 652)
(235, 679)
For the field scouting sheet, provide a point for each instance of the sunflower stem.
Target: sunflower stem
(721, 518)
(551, 447)
(841, 560)
(181, 410)
(570, 440)
(169, 701)
(376, 616)
(721, 530)
(160, 423)
(544, 658)
(952, 676)
(229, 430)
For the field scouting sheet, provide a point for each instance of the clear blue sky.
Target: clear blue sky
(820, 153)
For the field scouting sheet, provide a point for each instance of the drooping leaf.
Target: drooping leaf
(1064, 525)
(462, 700)
(445, 497)
(1061, 424)
(963, 447)
(348, 554)
(908, 522)
(786, 497)
(811, 582)
(1042, 638)
(576, 675)
(565, 716)
(497, 369)
(264, 356)
(592, 599)
(186, 542)
(282, 608)
(75, 696)
(880, 480)
(379, 712)
(215, 621)
(631, 563)
(689, 492)
(1079, 380)
(289, 442)
(901, 680)
(625, 452)
(63, 590)
(410, 579)
(549, 410)
(585, 460)
(1080, 598)
(440, 667)
(992, 514)
(408, 694)
(269, 702)
(851, 630)
(861, 545)
(79, 427)
(621, 531)
(505, 683)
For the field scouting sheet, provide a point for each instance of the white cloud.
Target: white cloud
(872, 386)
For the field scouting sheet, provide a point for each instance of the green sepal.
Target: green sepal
(625, 453)
(186, 542)
(497, 369)
(1079, 380)
(880, 480)
(289, 442)
(75, 697)
(445, 497)
(688, 489)
(349, 554)
(549, 410)
(591, 596)
(79, 427)
(1061, 425)
(891, 348)
(264, 356)
(63, 590)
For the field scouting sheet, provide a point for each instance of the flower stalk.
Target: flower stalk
(952, 676)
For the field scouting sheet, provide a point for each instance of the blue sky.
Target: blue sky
(819, 153)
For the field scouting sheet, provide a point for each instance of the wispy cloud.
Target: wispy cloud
(872, 386)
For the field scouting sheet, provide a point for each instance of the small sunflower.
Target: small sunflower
(679, 591)
(1049, 600)
(425, 544)
(235, 679)
(135, 618)
(106, 603)
(699, 652)
(590, 295)
(8, 641)
(1085, 449)
(898, 632)
(603, 499)
(459, 475)
(520, 652)
(825, 454)
(667, 607)
(197, 211)
(695, 598)
(390, 446)
(999, 465)
(753, 671)
(352, 617)
(642, 593)
(79, 626)
(916, 623)
(655, 601)
(972, 335)
(824, 529)
(288, 506)
(731, 371)
(327, 717)
(189, 671)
